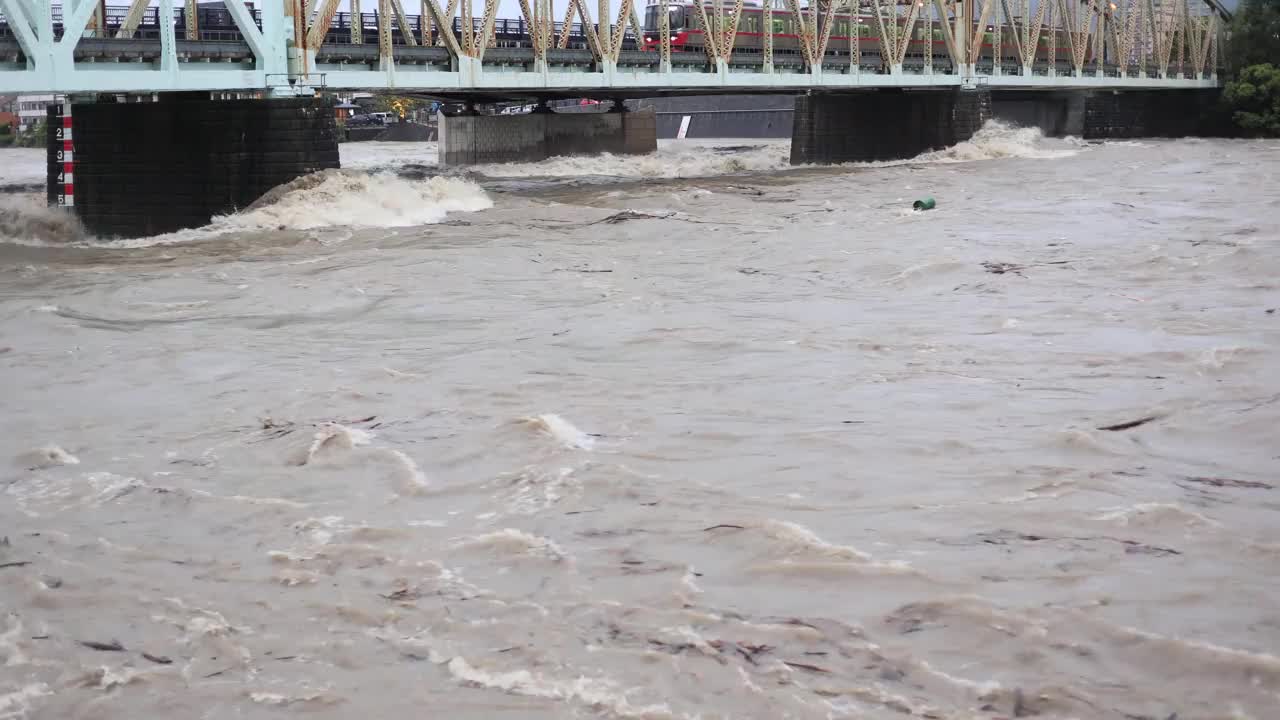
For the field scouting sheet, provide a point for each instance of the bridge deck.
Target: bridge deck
(154, 56)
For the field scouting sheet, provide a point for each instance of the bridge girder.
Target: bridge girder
(1119, 41)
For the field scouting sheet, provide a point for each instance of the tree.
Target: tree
(35, 136)
(401, 106)
(1254, 97)
(1253, 50)
(1254, 34)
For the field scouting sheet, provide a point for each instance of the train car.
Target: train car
(688, 35)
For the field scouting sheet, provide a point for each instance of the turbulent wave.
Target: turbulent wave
(676, 160)
(334, 441)
(1156, 515)
(356, 198)
(47, 456)
(798, 539)
(328, 438)
(997, 140)
(335, 198)
(514, 542)
(671, 161)
(27, 220)
(562, 430)
(331, 198)
(599, 694)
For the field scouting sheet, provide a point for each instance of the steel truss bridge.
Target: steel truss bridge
(286, 47)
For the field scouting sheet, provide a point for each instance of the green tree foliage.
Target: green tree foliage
(1254, 97)
(400, 106)
(1253, 47)
(35, 136)
(1254, 34)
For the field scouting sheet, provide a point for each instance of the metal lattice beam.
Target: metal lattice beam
(248, 29)
(386, 54)
(445, 25)
(567, 25)
(406, 30)
(948, 37)
(767, 30)
(18, 25)
(486, 28)
(137, 8)
(730, 34)
(620, 29)
(320, 26)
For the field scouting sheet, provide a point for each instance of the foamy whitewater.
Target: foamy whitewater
(334, 198)
(693, 435)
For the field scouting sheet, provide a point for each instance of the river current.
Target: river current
(695, 435)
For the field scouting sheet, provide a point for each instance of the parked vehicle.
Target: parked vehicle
(364, 121)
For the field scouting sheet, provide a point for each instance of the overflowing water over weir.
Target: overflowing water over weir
(695, 435)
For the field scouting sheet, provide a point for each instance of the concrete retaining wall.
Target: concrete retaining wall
(478, 139)
(149, 168)
(884, 125)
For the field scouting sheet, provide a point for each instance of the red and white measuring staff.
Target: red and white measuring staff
(66, 193)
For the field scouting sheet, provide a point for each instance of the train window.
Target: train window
(779, 26)
(651, 18)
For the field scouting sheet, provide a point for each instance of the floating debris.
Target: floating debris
(113, 646)
(1129, 424)
(1224, 482)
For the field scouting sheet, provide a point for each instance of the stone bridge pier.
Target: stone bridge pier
(886, 124)
(892, 124)
(135, 169)
(1114, 114)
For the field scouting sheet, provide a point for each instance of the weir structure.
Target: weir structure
(231, 95)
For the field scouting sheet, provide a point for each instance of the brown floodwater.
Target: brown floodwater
(694, 435)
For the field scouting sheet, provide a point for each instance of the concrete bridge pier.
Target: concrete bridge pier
(884, 124)
(134, 169)
(477, 139)
(1114, 114)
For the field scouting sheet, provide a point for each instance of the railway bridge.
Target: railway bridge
(216, 102)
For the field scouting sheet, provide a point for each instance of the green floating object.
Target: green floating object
(923, 204)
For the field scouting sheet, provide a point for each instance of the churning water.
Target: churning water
(694, 435)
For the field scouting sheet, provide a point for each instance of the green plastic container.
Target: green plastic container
(923, 204)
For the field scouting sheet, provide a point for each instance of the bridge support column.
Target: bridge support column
(478, 139)
(150, 168)
(1110, 114)
(884, 125)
